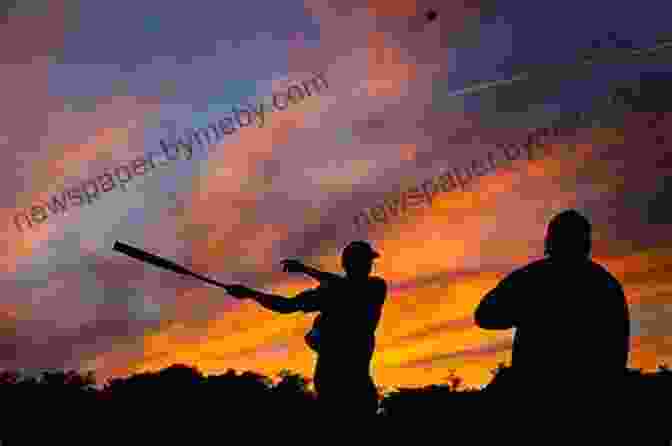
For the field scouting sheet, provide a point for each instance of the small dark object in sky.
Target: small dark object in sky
(431, 15)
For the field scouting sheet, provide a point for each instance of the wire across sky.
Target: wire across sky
(610, 56)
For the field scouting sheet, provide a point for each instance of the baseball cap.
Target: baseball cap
(360, 248)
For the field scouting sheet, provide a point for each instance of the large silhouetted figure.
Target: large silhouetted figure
(349, 309)
(571, 326)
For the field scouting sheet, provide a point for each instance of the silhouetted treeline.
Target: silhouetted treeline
(644, 401)
(153, 405)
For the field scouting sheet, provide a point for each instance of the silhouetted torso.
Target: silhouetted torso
(351, 311)
(571, 320)
(570, 346)
(575, 314)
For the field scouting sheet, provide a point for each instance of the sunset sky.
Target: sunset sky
(89, 85)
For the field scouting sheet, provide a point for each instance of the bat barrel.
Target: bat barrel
(160, 262)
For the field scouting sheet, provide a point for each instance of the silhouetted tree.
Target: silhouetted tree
(9, 377)
(292, 382)
(454, 381)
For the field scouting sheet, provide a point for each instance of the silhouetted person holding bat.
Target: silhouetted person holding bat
(349, 312)
(572, 327)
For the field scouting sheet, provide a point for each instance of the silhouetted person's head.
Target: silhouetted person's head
(357, 259)
(568, 236)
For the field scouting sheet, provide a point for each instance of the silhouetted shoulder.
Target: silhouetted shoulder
(309, 300)
(526, 273)
(536, 265)
(607, 276)
(601, 269)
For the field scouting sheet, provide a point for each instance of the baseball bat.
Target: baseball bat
(155, 260)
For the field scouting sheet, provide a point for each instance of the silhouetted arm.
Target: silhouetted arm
(296, 266)
(275, 303)
(498, 309)
(321, 276)
(306, 301)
